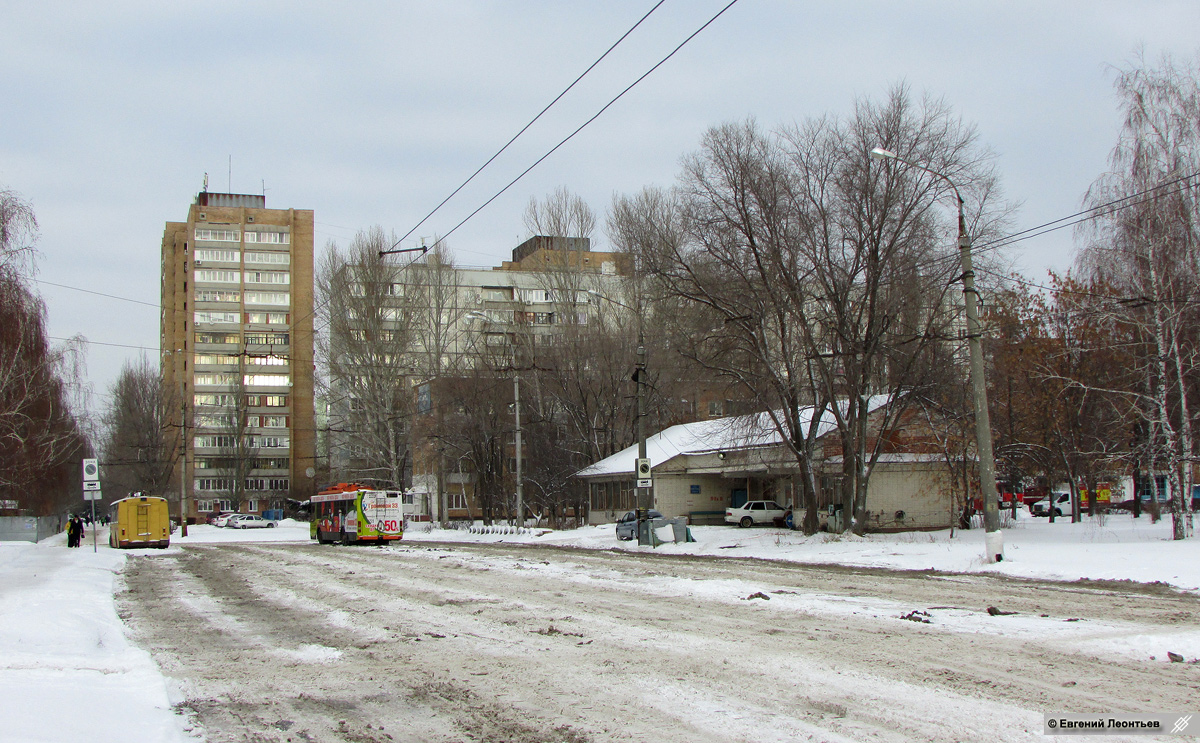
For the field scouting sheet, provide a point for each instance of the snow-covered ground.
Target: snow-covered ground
(69, 673)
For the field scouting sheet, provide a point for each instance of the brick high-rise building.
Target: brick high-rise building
(237, 344)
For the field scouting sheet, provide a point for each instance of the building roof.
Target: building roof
(729, 434)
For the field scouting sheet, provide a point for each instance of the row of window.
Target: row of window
(256, 318)
(228, 463)
(232, 236)
(225, 379)
(230, 421)
(222, 359)
(252, 339)
(217, 295)
(232, 255)
(225, 441)
(233, 276)
(225, 484)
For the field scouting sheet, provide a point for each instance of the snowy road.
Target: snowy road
(279, 642)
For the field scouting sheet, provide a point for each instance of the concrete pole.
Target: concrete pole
(994, 538)
(517, 414)
(180, 365)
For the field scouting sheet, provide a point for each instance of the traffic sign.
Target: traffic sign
(92, 495)
(91, 470)
(645, 483)
(91, 486)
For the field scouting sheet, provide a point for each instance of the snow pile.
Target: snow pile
(68, 673)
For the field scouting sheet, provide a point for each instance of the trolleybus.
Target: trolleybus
(350, 513)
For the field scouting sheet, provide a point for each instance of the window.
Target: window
(215, 420)
(226, 255)
(281, 299)
(274, 421)
(211, 316)
(267, 339)
(258, 256)
(217, 295)
(271, 463)
(267, 442)
(267, 318)
(217, 275)
(204, 506)
(279, 483)
(266, 380)
(214, 358)
(206, 379)
(266, 401)
(214, 398)
(265, 277)
(456, 500)
(252, 505)
(210, 441)
(543, 318)
(213, 483)
(278, 238)
(228, 236)
(406, 499)
(714, 409)
(266, 360)
(255, 483)
(218, 338)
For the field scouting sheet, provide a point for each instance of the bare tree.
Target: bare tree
(369, 345)
(136, 454)
(1146, 244)
(820, 279)
(561, 213)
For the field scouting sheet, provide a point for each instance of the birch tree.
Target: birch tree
(1145, 244)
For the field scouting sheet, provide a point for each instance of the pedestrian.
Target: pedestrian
(72, 532)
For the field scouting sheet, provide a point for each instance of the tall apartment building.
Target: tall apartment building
(237, 345)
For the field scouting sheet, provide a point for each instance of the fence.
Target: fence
(27, 528)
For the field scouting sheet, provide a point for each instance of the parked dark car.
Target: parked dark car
(627, 524)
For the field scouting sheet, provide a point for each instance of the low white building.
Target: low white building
(700, 469)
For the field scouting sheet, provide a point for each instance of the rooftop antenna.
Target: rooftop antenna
(230, 174)
(206, 183)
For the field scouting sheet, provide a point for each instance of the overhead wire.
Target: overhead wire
(531, 122)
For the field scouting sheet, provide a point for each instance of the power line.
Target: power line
(531, 123)
(581, 127)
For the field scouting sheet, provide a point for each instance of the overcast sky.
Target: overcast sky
(371, 113)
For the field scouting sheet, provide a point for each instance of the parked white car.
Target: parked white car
(1061, 504)
(250, 521)
(223, 519)
(755, 512)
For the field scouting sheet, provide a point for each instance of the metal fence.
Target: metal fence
(28, 528)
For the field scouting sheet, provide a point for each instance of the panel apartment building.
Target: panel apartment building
(237, 345)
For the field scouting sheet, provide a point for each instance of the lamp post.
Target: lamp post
(994, 539)
(645, 496)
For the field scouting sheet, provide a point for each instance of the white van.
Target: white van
(1062, 504)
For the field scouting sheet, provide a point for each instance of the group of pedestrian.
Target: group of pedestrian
(75, 532)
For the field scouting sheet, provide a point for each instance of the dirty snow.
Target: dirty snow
(69, 673)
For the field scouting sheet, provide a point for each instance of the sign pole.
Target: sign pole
(94, 548)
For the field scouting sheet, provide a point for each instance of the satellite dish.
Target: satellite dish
(310, 472)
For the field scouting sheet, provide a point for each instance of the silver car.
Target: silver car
(250, 521)
(627, 524)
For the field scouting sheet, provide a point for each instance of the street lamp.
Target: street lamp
(994, 539)
(645, 496)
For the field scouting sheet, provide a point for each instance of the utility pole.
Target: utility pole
(180, 366)
(517, 414)
(994, 538)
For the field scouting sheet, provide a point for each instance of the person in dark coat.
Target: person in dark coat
(72, 532)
